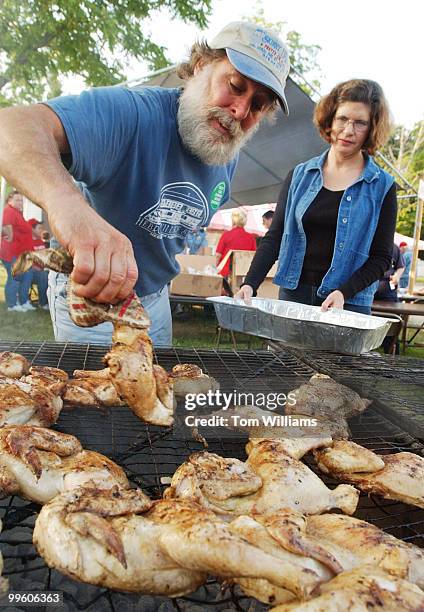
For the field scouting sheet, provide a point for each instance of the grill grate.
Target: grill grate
(395, 384)
(148, 453)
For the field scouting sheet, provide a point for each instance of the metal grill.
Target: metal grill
(150, 453)
(396, 384)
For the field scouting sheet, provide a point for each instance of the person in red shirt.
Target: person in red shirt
(16, 238)
(39, 276)
(235, 239)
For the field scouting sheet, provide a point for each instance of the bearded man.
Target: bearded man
(125, 174)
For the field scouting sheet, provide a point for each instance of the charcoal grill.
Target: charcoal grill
(149, 453)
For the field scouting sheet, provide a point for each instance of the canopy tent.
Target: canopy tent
(409, 241)
(272, 152)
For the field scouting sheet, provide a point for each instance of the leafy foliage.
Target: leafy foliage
(303, 58)
(405, 151)
(41, 40)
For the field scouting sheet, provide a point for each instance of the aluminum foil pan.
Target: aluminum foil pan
(303, 326)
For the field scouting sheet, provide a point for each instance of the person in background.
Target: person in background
(407, 259)
(16, 239)
(39, 276)
(334, 223)
(124, 173)
(387, 289)
(267, 219)
(235, 239)
(197, 241)
(388, 284)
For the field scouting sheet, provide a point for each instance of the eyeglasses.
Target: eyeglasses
(358, 125)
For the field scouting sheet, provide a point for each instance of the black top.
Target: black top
(319, 223)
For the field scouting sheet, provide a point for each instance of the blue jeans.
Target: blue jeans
(16, 287)
(41, 279)
(156, 304)
(307, 294)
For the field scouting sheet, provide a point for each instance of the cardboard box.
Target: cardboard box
(241, 265)
(198, 262)
(196, 285)
(268, 290)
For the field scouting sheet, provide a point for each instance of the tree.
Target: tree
(303, 58)
(405, 151)
(42, 40)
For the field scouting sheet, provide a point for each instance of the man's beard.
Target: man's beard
(198, 136)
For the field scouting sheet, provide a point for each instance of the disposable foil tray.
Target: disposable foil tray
(299, 325)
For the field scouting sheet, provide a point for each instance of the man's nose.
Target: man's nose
(240, 108)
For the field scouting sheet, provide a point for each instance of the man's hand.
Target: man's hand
(245, 293)
(334, 300)
(104, 266)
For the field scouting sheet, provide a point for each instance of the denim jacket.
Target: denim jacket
(356, 224)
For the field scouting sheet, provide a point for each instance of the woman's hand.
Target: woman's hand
(245, 293)
(334, 300)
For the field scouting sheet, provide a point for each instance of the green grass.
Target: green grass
(194, 328)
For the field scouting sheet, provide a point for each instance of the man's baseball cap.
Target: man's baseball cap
(402, 244)
(256, 53)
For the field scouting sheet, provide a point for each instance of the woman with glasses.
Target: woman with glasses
(334, 223)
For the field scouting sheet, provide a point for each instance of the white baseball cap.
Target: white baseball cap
(256, 53)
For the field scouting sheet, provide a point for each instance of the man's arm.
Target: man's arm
(31, 141)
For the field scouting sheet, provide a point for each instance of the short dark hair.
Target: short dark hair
(268, 215)
(356, 90)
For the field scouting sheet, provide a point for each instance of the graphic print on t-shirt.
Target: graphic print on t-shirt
(181, 208)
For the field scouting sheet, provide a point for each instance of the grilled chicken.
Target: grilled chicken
(401, 478)
(27, 403)
(53, 379)
(346, 456)
(84, 312)
(147, 389)
(195, 538)
(286, 483)
(354, 543)
(103, 374)
(341, 543)
(165, 550)
(328, 544)
(94, 392)
(323, 396)
(297, 436)
(103, 538)
(209, 479)
(264, 532)
(289, 483)
(13, 365)
(189, 378)
(361, 590)
(39, 463)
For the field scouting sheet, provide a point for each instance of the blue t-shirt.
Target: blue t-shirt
(129, 158)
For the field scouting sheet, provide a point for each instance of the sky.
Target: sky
(376, 39)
